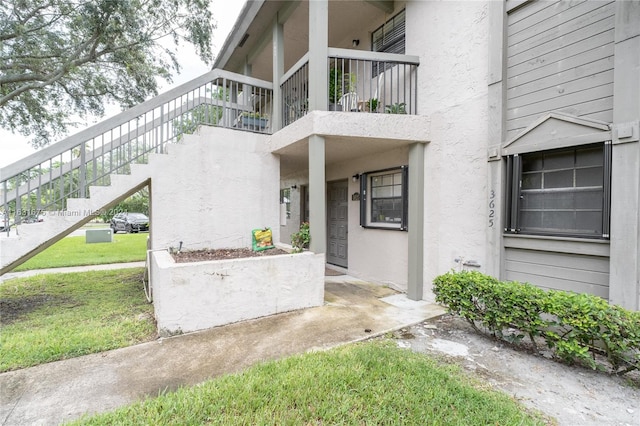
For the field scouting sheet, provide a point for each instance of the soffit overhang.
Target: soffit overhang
(256, 20)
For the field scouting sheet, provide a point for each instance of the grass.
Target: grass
(56, 316)
(373, 383)
(74, 251)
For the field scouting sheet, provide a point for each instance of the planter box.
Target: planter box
(254, 123)
(200, 295)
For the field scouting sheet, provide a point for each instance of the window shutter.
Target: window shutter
(606, 186)
(390, 37)
(363, 199)
(512, 194)
(405, 198)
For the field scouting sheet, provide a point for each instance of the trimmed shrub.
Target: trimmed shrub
(578, 328)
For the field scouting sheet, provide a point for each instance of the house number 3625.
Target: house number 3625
(492, 205)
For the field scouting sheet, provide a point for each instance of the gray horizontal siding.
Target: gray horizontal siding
(575, 64)
(542, 41)
(547, 15)
(559, 271)
(559, 58)
(577, 101)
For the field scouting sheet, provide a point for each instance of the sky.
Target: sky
(14, 147)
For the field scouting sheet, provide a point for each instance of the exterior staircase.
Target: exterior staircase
(26, 240)
(75, 180)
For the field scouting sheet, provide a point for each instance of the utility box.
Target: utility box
(98, 236)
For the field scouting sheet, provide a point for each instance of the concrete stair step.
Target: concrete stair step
(29, 238)
(25, 238)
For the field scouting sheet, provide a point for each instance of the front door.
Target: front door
(337, 222)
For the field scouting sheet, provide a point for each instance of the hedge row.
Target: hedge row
(577, 328)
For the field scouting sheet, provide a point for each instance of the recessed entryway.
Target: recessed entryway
(337, 222)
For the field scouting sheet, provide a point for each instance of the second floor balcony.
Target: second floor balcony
(320, 58)
(358, 81)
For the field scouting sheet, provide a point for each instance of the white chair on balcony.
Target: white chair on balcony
(380, 92)
(349, 102)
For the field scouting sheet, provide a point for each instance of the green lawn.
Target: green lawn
(373, 383)
(56, 316)
(74, 251)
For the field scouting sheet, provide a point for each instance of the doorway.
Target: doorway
(337, 222)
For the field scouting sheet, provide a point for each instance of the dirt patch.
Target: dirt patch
(221, 254)
(571, 395)
(12, 309)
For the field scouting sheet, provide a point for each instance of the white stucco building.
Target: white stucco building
(418, 137)
(551, 87)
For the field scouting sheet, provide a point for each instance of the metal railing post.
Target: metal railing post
(83, 172)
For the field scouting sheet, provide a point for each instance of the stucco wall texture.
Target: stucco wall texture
(451, 40)
(196, 296)
(216, 187)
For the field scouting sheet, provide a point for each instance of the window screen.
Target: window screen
(561, 192)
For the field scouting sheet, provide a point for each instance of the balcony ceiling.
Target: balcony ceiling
(348, 20)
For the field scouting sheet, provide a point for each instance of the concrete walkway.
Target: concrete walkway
(34, 272)
(62, 391)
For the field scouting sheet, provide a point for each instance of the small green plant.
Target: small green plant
(300, 240)
(397, 108)
(372, 105)
(335, 85)
(353, 82)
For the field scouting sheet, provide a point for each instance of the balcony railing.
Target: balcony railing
(47, 178)
(359, 81)
(295, 92)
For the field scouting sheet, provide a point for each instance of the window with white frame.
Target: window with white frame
(383, 199)
(563, 192)
(285, 198)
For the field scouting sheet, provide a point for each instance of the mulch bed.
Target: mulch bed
(219, 254)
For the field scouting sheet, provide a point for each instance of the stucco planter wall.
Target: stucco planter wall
(200, 295)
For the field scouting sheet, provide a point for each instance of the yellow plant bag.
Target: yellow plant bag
(262, 239)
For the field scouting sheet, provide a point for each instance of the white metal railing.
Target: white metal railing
(359, 81)
(47, 178)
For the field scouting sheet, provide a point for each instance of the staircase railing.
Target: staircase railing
(47, 178)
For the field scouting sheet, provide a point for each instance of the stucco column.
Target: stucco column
(624, 278)
(318, 52)
(278, 72)
(415, 280)
(497, 102)
(318, 80)
(317, 195)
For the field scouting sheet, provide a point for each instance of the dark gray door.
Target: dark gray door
(337, 222)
